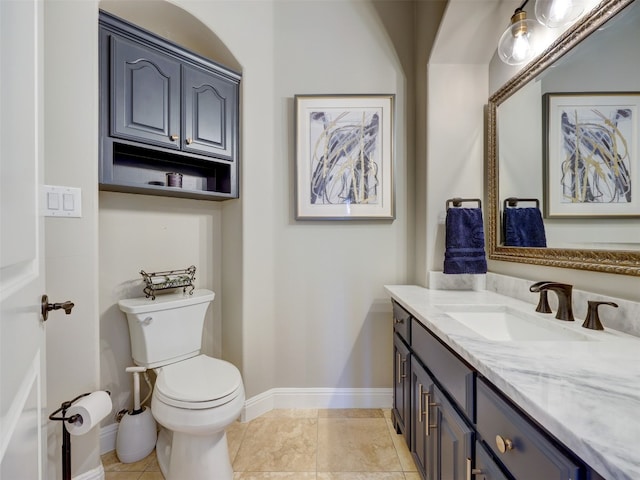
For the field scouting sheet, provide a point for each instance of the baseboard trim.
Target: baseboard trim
(316, 398)
(95, 474)
(108, 437)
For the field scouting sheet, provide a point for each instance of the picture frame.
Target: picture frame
(591, 164)
(344, 157)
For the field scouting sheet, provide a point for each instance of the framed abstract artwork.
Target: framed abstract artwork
(592, 168)
(344, 157)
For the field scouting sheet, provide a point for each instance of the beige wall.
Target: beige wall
(71, 244)
(298, 304)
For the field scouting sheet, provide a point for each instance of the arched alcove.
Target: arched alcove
(175, 24)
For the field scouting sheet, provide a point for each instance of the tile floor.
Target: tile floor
(335, 444)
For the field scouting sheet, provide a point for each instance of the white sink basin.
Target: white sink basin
(503, 323)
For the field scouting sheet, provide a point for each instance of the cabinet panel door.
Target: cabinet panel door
(401, 393)
(453, 440)
(401, 322)
(210, 111)
(517, 443)
(421, 433)
(145, 94)
(487, 467)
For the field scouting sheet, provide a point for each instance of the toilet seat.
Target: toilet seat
(198, 383)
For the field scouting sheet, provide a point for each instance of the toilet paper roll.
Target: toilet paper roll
(91, 410)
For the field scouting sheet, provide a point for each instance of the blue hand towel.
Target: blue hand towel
(464, 241)
(523, 227)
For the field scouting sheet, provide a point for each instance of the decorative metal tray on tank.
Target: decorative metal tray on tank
(169, 279)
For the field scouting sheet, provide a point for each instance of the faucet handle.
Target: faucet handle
(592, 321)
(543, 302)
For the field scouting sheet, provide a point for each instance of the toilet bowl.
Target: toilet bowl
(197, 413)
(195, 397)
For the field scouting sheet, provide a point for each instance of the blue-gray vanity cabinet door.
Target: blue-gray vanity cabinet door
(524, 450)
(486, 466)
(401, 386)
(145, 94)
(210, 114)
(421, 445)
(452, 440)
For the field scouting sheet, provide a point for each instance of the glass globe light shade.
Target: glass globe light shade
(557, 13)
(515, 46)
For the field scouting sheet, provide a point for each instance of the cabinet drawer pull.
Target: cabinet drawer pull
(504, 444)
(421, 412)
(398, 367)
(189, 140)
(396, 320)
(174, 137)
(403, 373)
(428, 405)
(472, 471)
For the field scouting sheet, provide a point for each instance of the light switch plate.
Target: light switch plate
(61, 201)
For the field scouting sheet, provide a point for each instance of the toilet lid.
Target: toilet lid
(198, 382)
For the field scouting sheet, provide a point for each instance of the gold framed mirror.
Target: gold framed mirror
(620, 260)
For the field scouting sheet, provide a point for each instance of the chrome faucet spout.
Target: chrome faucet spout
(563, 291)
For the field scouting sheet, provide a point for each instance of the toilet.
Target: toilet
(195, 397)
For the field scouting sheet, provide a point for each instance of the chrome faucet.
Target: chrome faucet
(563, 291)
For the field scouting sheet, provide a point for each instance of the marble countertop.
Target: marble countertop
(585, 393)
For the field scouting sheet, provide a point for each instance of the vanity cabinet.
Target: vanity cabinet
(401, 365)
(164, 110)
(460, 426)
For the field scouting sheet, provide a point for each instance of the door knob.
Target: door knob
(47, 307)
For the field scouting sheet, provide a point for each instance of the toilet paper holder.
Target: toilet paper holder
(66, 436)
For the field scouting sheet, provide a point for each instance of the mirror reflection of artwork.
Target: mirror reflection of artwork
(344, 156)
(592, 157)
(597, 163)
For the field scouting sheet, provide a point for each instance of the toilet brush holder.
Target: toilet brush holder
(137, 435)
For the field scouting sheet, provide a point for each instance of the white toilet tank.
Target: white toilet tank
(167, 329)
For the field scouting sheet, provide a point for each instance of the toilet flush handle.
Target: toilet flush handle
(146, 321)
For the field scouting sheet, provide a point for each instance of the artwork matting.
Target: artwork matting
(344, 157)
(592, 168)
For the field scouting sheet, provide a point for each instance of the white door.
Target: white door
(22, 355)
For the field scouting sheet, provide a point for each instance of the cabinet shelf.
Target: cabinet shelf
(136, 169)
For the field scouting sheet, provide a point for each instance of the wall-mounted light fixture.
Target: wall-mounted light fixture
(516, 45)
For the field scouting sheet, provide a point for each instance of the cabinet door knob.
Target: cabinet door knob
(174, 137)
(189, 140)
(504, 444)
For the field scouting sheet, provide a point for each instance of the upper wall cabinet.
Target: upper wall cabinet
(165, 110)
